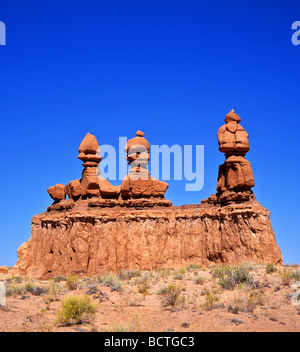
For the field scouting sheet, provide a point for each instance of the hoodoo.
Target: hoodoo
(94, 227)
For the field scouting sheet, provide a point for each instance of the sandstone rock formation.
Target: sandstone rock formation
(138, 183)
(236, 173)
(4, 270)
(103, 228)
(137, 188)
(91, 183)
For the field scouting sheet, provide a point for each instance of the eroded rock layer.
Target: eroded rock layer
(89, 240)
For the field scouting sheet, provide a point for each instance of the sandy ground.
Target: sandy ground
(139, 303)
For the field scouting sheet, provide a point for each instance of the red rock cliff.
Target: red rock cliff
(103, 228)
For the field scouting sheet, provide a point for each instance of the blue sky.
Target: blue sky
(171, 68)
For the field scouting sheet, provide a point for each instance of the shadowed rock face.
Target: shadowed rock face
(101, 228)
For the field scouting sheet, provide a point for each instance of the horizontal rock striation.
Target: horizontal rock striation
(90, 240)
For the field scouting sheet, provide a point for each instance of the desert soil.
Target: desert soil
(143, 302)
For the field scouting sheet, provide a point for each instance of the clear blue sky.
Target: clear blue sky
(171, 68)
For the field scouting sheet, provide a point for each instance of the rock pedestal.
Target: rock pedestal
(236, 173)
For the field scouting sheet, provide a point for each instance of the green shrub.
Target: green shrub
(295, 275)
(17, 279)
(288, 276)
(56, 290)
(34, 289)
(145, 276)
(59, 278)
(13, 290)
(29, 286)
(233, 276)
(271, 268)
(162, 291)
(219, 272)
(111, 281)
(199, 280)
(128, 274)
(75, 310)
(247, 303)
(171, 296)
(210, 300)
(143, 288)
(179, 274)
(72, 282)
(192, 267)
(164, 272)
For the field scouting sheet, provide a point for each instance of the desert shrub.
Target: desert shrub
(145, 276)
(59, 278)
(257, 296)
(247, 303)
(237, 306)
(128, 274)
(72, 282)
(56, 290)
(192, 267)
(210, 300)
(179, 274)
(17, 279)
(286, 278)
(111, 281)
(34, 289)
(38, 290)
(134, 301)
(181, 271)
(171, 296)
(29, 286)
(178, 277)
(233, 276)
(144, 287)
(288, 275)
(250, 266)
(271, 268)
(162, 291)
(164, 272)
(199, 280)
(13, 290)
(295, 275)
(218, 272)
(75, 310)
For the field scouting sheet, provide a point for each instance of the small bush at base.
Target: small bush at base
(210, 300)
(247, 303)
(72, 282)
(288, 276)
(59, 278)
(271, 268)
(111, 281)
(171, 296)
(75, 310)
(232, 276)
(192, 267)
(199, 280)
(128, 274)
